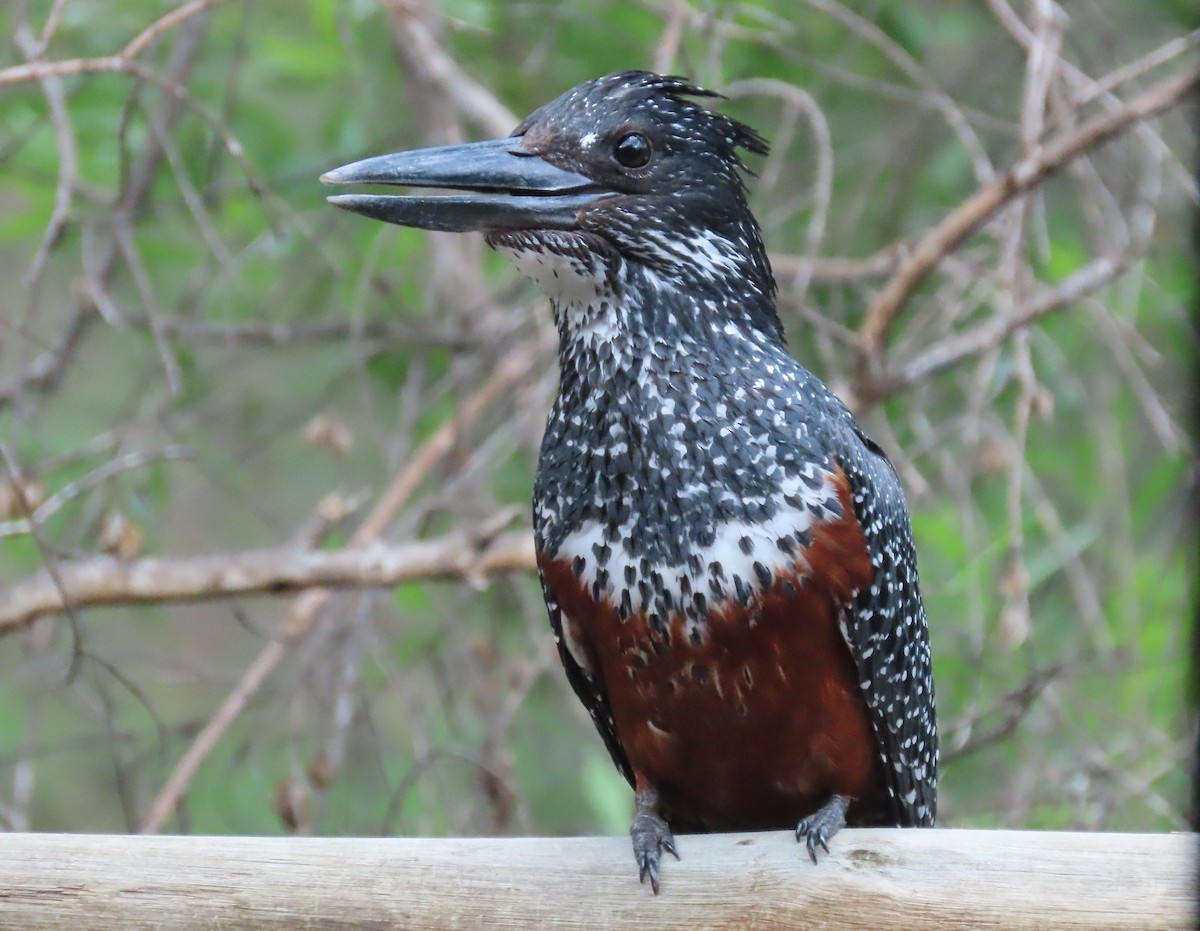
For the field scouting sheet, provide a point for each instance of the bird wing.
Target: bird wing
(885, 627)
(590, 688)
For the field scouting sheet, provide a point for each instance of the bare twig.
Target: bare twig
(45, 373)
(122, 61)
(1040, 67)
(1166, 52)
(981, 206)
(276, 571)
(304, 612)
(280, 333)
(144, 39)
(948, 352)
(912, 69)
(1084, 85)
(823, 181)
(97, 476)
(141, 279)
(426, 54)
(68, 153)
(17, 484)
(672, 35)
(963, 738)
(879, 265)
(49, 27)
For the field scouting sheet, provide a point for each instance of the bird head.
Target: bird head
(625, 177)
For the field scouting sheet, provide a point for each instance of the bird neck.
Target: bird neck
(706, 296)
(649, 324)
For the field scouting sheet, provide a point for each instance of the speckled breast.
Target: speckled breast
(731, 687)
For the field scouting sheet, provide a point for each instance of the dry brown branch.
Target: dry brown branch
(145, 289)
(1166, 52)
(49, 27)
(508, 373)
(46, 70)
(879, 265)
(981, 206)
(914, 71)
(144, 39)
(962, 738)
(672, 35)
(425, 54)
(97, 476)
(279, 333)
(107, 580)
(173, 87)
(68, 153)
(1084, 86)
(1041, 65)
(122, 61)
(305, 610)
(17, 483)
(948, 352)
(46, 372)
(874, 879)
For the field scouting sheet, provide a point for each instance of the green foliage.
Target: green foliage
(440, 705)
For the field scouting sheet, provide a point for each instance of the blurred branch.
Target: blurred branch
(963, 741)
(45, 373)
(268, 333)
(99, 475)
(121, 61)
(106, 580)
(427, 56)
(915, 72)
(51, 574)
(1135, 69)
(800, 101)
(1088, 88)
(144, 39)
(819, 269)
(923, 256)
(674, 21)
(305, 611)
(68, 149)
(948, 352)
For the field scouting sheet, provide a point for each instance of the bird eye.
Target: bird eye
(633, 151)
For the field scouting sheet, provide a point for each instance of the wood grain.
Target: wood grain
(874, 879)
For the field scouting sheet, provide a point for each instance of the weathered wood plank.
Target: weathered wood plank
(873, 879)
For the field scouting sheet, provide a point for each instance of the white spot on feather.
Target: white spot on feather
(726, 549)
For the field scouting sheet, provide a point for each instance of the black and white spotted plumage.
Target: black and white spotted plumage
(630, 351)
(726, 558)
(884, 625)
(888, 636)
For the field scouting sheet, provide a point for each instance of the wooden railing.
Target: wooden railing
(873, 879)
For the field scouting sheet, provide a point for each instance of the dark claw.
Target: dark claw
(819, 827)
(651, 836)
(649, 867)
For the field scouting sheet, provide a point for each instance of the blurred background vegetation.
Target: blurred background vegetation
(198, 356)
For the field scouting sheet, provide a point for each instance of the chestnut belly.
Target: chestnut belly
(754, 727)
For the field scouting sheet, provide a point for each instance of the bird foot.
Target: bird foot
(819, 827)
(651, 836)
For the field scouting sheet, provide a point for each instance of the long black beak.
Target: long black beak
(509, 189)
